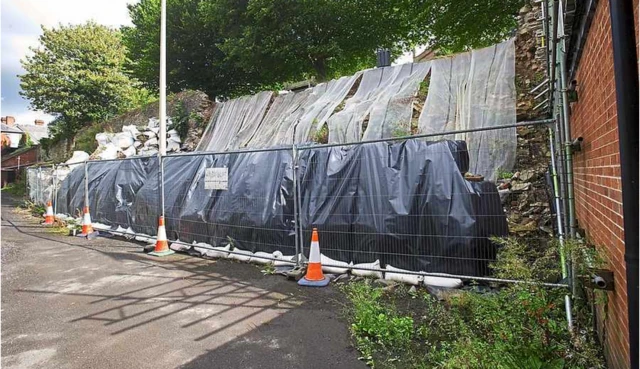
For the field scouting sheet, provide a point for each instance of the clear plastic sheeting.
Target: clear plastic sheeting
(317, 113)
(385, 96)
(476, 90)
(466, 91)
(235, 122)
(284, 112)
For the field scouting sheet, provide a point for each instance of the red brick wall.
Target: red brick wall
(26, 158)
(597, 174)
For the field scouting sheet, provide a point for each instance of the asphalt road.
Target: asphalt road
(72, 303)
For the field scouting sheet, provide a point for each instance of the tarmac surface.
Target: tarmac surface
(69, 302)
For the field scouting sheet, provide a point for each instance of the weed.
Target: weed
(322, 135)
(268, 269)
(517, 326)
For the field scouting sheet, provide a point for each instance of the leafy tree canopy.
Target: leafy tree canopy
(231, 47)
(77, 74)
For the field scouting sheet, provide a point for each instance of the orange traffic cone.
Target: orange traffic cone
(87, 229)
(49, 217)
(162, 245)
(314, 276)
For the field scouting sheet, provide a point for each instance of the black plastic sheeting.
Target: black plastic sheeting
(406, 204)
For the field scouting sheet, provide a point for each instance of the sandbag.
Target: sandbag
(402, 278)
(367, 273)
(337, 267)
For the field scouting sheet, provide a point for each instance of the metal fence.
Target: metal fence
(406, 205)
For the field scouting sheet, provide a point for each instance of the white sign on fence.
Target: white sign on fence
(216, 179)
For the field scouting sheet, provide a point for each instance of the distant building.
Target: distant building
(20, 147)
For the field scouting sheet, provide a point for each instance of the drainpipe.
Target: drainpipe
(625, 64)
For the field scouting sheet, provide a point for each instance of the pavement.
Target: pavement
(69, 302)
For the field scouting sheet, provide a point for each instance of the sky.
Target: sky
(20, 29)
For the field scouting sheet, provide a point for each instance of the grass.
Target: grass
(516, 326)
(17, 188)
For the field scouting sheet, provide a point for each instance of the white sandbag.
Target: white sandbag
(131, 129)
(123, 140)
(172, 132)
(338, 267)
(402, 278)
(131, 151)
(110, 152)
(118, 231)
(129, 234)
(261, 257)
(153, 123)
(148, 152)
(100, 226)
(155, 130)
(442, 282)
(284, 260)
(173, 146)
(137, 144)
(145, 238)
(77, 158)
(219, 252)
(150, 134)
(175, 139)
(367, 273)
(241, 255)
(151, 142)
(104, 138)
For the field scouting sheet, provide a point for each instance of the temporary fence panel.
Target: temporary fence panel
(241, 199)
(403, 204)
(40, 183)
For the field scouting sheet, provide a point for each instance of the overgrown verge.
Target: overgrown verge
(17, 188)
(515, 326)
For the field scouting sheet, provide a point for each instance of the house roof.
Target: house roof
(10, 129)
(36, 133)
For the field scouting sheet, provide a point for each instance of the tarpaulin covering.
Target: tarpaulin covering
(405, 204)
(465, 91)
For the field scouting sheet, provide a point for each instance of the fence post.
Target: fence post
(161, 179)
(296, 215)
(86, 184)
(39, 189)
(54, 194)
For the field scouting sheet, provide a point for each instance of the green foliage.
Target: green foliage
(453, 26)
(227, 48)
(180, 120)
(322, 135)
(77, 74)
(17, 188)
(505, 174)
(519, 326)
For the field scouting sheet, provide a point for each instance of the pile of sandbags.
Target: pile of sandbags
(134, 142)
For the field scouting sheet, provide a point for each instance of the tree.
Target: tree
(231, 47)
(77, 74)
(194, 60)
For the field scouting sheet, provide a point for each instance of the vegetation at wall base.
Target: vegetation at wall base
(517, 326)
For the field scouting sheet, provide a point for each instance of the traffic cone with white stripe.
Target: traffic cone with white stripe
(314, 276)
(162, 245)
(87, 229)
(49, 217)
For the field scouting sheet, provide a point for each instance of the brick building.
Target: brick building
(597, 168)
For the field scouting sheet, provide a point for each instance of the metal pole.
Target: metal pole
(295, 203)
(554, 174)
(552, 45)
(54, 195)
(567, 143)
(38, 184)
(86, 184)
(161, 159)
(162, 147)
